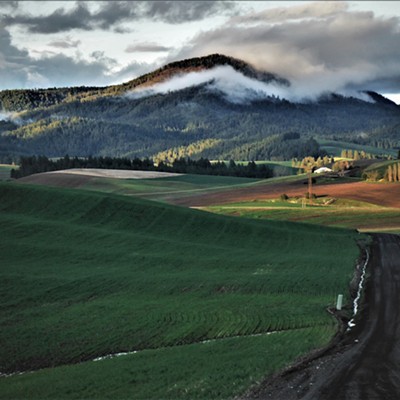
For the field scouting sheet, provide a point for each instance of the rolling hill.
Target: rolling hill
(202, 305)
(215, 107)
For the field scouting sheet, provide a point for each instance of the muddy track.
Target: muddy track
(365, 365)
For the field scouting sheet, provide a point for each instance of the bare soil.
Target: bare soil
(364, 363)
(115, 173)
(78, 177)
(376, 193)
(58, 180)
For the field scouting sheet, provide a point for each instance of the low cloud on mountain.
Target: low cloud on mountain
(232, 85)
(320, 47)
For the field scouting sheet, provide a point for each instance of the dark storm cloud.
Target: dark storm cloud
(175, 12)
(19, 70)
(8, 5)
(11, 59)
(146, 47)
(112, 13)
(58, 21)
(319, 46)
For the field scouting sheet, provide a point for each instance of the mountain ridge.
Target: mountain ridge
(194, 121)
(22, 99)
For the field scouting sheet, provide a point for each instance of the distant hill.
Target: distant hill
(198, 120)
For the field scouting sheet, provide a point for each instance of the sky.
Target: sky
(319, 46)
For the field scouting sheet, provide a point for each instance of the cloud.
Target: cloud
(233, 85)
(66, 43)
(112, 13)
(59, 21)
(298, 12)
(19, 70)
(132, 70)
(320, 47)
(146, 47)
(11, 60)
(8, 5)
(176, 12)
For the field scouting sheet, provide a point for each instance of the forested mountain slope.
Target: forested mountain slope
(199, 120)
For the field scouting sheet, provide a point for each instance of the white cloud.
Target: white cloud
(234, 86)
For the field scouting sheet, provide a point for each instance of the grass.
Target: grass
(197, 371)
(335, 147)
(5, 170)
(165, 189)
(345, 213)
(86, 274)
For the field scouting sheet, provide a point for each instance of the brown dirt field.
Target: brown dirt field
(387, 195)
(382, 194)
(58, 180)
(76, 178)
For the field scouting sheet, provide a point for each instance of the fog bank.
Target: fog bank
(238, 88)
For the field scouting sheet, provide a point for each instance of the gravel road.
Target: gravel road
(365, 365)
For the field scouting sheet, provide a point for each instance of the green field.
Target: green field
(343, 213)
(335, 147)
(5, 170)
(209, 303)
(167, 189)
(184, 186)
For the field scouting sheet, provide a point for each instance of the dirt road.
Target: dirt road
(365, 365)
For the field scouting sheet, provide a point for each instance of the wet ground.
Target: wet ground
(365, 364)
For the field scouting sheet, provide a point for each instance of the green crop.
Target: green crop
(86, 274)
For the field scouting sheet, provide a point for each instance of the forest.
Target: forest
(36, 164)
(195, 122)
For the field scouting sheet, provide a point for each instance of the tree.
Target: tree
(395, 173)
(390, 173)
(349, 153)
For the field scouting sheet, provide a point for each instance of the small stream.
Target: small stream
(356, 301)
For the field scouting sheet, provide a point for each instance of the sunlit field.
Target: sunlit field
(325, 211)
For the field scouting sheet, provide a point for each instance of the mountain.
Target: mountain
(214, 106)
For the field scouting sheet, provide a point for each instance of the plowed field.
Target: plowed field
(387, 195)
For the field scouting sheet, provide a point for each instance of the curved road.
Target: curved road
(366, 363)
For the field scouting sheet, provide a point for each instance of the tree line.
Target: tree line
(393, 173)
(35, 164)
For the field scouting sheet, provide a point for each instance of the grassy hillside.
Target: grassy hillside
(167, 189)
(5, 171)
(86, 274)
